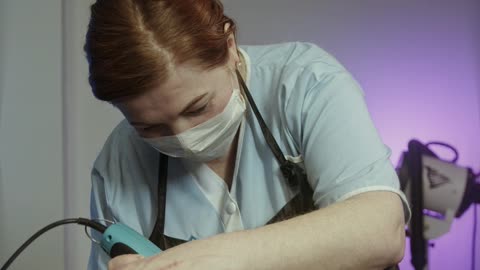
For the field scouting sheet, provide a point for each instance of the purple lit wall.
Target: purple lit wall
(419, 64)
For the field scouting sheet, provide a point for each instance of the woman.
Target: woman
(294, 176)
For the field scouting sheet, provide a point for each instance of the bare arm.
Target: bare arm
(363, 232)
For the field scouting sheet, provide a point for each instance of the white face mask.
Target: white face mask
(207, 141)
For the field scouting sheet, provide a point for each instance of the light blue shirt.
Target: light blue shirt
(317, 113)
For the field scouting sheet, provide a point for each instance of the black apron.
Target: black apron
(292, 173)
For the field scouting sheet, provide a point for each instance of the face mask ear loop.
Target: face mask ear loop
(236, 73)
(232, 73)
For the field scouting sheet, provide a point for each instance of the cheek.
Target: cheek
(221, 101)
(216, 106)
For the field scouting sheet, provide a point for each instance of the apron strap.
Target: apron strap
(266, 132)
(288, 168)
(157, 236)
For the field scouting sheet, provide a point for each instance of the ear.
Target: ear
(234, 58)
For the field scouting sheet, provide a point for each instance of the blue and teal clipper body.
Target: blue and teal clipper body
(119, 239)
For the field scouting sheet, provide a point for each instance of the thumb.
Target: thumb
(123, 260)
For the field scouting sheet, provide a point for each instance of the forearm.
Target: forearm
(365, 232)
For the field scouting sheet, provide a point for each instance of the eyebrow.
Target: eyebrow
(189, 105)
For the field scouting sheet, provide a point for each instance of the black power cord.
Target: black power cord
(82, 221)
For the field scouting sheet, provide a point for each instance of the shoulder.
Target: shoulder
(293, 67)
(293, 55)
(292, 80)
(122, 149)
(111, 149)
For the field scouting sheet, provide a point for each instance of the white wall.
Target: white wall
(31, 184)
(87, 124)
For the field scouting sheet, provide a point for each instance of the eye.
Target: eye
(147, 128)
(198, 111)
(160, 129)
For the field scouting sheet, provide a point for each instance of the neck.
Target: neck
(225, 166)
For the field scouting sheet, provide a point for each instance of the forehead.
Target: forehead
(185, 83)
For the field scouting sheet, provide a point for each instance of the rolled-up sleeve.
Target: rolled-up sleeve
(342, 150)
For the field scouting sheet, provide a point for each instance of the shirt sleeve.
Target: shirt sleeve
(342, 151)
(98, 210)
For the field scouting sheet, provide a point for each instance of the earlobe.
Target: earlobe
(230, 41)
(232, 49)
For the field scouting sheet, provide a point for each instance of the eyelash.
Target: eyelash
(148, 128)
(198, 111)
(192, 113)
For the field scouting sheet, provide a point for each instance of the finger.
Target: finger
(123, 260)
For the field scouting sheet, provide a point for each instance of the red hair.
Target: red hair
(132, 45)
